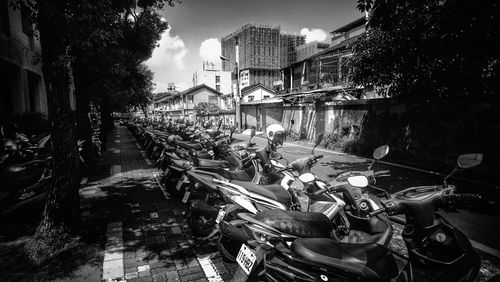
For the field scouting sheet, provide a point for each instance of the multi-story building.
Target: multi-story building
(322, 66)
(289, 43)
(215, 78)
(257, 51)
(22, 87)
(182, 104)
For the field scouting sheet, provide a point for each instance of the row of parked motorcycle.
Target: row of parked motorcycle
(26, 168)
(243, 196)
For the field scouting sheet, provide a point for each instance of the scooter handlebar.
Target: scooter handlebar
(321, 191)
(376, 212)
(382, 173)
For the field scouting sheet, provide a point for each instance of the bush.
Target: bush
(346, 139)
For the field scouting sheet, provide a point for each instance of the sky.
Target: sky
(196, 26)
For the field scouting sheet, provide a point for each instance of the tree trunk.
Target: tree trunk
(61, 216)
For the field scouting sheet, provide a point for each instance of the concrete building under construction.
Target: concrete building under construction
(259, 52)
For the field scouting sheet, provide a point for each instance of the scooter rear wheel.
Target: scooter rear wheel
(199, 225)
(228, 248)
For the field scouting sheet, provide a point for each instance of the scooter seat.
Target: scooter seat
(205, 178)
(240, 175)
(203, 155)
(301, 224)
(370, 261)
(168, 148)
(180, 164)
(205, 163)
(273, 191)
(189, 145)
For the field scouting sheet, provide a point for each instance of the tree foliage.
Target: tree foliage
(205, 108)
(430, 48)
(97, 47)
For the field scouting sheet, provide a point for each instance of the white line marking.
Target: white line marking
(485, 249)
(165, 193)
(113, 268)
(393, 164)
(209, 268)
(442, 174)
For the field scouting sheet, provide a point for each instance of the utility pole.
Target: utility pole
(237, 96)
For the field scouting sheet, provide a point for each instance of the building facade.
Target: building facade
(257, 51)
(182, 104)
(256, 93)
(217, 79)
(22, 88)
(321, 66)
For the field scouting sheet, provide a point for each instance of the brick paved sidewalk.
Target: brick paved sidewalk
(147, 238)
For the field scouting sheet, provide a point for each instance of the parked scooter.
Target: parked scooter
(437, 251)
(211, 203)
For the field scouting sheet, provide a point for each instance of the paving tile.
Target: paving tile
(172, 276)
(160, 277)
(157, 243)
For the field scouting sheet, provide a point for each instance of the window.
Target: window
(217, 79)
(217, 87)
(250, 98)
(190, 99)
(266, 97)
(212, 99)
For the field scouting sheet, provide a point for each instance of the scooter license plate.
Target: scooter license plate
(246, 258)
(220, 216)
(186, 197)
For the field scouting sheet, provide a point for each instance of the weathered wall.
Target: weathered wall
(437, 131)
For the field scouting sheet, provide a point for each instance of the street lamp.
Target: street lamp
(237, 98)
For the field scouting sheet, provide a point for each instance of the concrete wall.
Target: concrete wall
(437, 131)
(261, 115)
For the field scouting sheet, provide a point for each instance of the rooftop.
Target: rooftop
(358, 22)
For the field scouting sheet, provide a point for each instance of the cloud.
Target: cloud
(315, 34)
(168, 58)
(210, 50)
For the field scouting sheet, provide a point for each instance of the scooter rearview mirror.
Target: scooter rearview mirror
(358, 181)
(381, 152)
(469, 160)
(307, 177)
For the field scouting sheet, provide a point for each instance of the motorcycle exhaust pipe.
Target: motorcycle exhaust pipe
(201, 207)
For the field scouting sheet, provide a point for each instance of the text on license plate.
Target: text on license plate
(246, 258)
